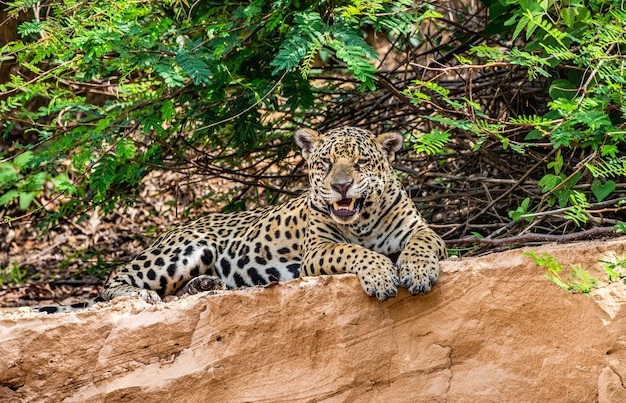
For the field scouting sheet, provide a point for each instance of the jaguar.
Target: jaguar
(355, 218)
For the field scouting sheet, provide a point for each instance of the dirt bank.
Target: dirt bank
(493, 329)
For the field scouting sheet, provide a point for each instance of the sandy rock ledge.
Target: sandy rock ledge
(493, 329)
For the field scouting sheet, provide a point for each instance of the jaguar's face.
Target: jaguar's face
(348, 169)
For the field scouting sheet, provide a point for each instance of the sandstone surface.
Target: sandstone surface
(493, 329)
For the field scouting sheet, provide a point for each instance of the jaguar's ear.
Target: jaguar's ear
(306, 139)
(390, 142)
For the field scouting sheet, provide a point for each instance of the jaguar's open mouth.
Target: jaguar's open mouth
(346, 207)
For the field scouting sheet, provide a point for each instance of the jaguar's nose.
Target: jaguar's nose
(342, 188)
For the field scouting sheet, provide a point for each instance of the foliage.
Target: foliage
(431, 143)
(575, 51)
(521, 211)
(14, 175)
(108, 91)
(13, 275)
(615, 270)
(515, 109)
(577, 281)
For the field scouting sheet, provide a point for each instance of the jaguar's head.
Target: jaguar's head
(349, 169)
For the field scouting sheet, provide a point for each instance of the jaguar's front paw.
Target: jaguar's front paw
(382, 284)
(419, 277)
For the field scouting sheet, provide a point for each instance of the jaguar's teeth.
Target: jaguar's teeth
(341, 205)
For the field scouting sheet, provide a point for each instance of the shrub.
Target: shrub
(516, 109)
(111, 90)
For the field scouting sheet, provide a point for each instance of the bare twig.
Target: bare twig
(519, 239)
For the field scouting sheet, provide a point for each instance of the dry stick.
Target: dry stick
(591, 207)
(506, 193)
(532, 238)
(75, 283)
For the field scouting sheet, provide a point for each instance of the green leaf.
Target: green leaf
(462, 60)
(608, 168)
(431, 143)
(34, 182)
(574, 13)
(29, 27)
(62, 182)
(609, 149)
(522, 209)
(563, 89)
(8, 175)
(195, 68)
(170, 76)
(25, 199)
(600, 190)
(569, 16)
(125, 149)
(550, 181)
(104, 174)
(563, 196)
(23, 159)
(8, 197)
(309, 32)
(534, 135)
(557, 164)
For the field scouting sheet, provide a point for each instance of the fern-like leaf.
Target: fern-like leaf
(308, 33)
(608, 168)
(194, 67)
(309, 59)
(103, 176)
(533, 120)
(560, 52)
(125, 148)
(29, 27)
(431, 143)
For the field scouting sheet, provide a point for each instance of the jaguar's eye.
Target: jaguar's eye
(362, 162)
(327, 162)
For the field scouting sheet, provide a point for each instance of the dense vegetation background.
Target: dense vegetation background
(513, 111)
